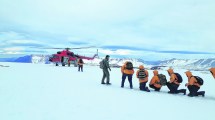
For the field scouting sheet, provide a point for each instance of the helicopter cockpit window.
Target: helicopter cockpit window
(71, 54)
(54, 56)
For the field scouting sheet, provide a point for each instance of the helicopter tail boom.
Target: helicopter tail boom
(88, 58)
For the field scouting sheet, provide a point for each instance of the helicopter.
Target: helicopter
(66, 57)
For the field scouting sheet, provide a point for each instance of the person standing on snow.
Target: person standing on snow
(127, 71)
(193, 85)
(105, 68)
(80, 65)
(212, 70)
(143, 75)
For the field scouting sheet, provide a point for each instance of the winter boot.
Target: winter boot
(157, 89)
(147, 89)
(201, 93)
(131, 86)
(170, 92)
(190, 95)
(122, 85)
(108, 83)
(183, 91)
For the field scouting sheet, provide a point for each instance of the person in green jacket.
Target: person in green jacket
(106, 73)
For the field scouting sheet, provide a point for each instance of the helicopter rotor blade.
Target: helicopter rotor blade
(47, 48)
(83, 47)
(65, 48)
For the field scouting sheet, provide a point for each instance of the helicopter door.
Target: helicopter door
(64, 60)
(76, 63)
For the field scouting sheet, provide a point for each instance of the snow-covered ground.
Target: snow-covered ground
(46, 92)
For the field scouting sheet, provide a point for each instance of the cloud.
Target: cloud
(76, 41)
(28, 43)
(115, 52)
(186, 52)
(11, 35)
(140, 26)
(116, 47)
(13, 50)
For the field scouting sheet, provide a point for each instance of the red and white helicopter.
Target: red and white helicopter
(66, 57)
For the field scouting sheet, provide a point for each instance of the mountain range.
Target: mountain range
(191, 64)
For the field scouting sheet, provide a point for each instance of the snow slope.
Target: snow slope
(45, 92)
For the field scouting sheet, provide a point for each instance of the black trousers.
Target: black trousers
(174, 88)
(80, 67)
(143, 86)
(129, 80)
(155, 88)
(194, 90)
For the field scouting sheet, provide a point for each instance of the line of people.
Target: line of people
(156, 83)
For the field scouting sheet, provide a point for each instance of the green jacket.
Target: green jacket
(106, 64)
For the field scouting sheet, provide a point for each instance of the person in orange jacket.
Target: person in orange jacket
(212, 70)
(127, 71)
(143, 75)
(154, 83)
(173, 84)
(80, 65)
(193, 86)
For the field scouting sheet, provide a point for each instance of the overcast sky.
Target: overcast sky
(148, 29)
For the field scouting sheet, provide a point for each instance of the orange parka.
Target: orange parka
(147, 74)
(126, 71)
(212, 70)
(191, 80)
(173, 77)
(155, 80)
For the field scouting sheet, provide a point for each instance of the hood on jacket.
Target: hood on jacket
(141, 67)
(212, 70)
(170, 71)
(188, 73)
(155, 72)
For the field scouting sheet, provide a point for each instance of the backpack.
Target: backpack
(179, 78)
(101, 64)
(141, 74)
(129, 66)
(162, 79)
(200, 81)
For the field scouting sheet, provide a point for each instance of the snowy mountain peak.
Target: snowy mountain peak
(196, 64)
(191, 64)
(43, 59)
